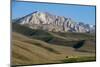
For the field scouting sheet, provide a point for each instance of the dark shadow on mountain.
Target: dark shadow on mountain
(79, 44)
(63, 42)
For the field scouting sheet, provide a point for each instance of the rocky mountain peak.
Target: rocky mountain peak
(50, 22)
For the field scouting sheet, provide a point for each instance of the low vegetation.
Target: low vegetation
(79, 59)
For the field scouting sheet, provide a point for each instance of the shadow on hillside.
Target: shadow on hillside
(85, 51)
(45, 47)
(62, 42)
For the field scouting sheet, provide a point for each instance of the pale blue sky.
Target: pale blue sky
(78, 13)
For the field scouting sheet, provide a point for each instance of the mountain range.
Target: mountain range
(33, 41)
(50, 22)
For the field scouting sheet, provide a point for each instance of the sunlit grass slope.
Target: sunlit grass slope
(40, 47)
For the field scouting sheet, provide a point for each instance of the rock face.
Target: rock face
(49, 22)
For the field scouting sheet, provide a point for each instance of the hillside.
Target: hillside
(30, 46)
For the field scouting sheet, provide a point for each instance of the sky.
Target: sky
(77, 13)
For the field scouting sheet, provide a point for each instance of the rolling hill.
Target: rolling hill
(31, 46)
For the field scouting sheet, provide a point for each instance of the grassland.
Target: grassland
(41, 47)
